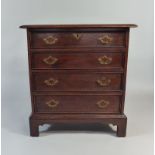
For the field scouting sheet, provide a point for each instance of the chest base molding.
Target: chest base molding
(119, 120)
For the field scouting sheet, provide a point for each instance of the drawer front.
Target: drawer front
(77, 61)
(77, 104)
(71, 39)
(74, 81)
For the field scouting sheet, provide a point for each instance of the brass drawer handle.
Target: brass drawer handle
(50, 60)
(102, 103)
(104, 60)
(104, 81)
(51, 82)
(50, 40)
(52, 103)
(76, 36)
(106, 39)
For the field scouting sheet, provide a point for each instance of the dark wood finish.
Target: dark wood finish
(78, 61)
(73, 26)
(80, 50)
(40, 119)
(76, 81)
(68, 81)
(78, 104)
(67, 39)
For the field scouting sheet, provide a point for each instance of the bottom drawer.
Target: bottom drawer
(77, 103)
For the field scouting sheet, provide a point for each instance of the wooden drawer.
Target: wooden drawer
(75, 81)
(78, 61)
(41, 39)
(77, 103)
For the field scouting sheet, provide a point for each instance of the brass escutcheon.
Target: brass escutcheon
(50, 60)
(102, 103)
(106, 39)
(52, 103)
(104, 60)
(51, 82)
(50, 40)
(76, 36)
(104, 81)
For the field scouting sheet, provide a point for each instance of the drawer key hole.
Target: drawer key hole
(102, 103)
(50, 60)
(76, 36)
(104, 60)
(52, 103)
(105, 39)
(50, 40)
(51, 82)
(104, 81)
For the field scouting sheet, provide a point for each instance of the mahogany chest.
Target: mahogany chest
(78, 74)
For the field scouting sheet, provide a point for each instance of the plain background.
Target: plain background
(15, 85)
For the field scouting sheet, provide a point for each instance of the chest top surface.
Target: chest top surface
(81, 26)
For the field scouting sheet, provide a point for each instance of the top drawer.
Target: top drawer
(49, 39)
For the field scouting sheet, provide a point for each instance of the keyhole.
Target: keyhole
(77, 36)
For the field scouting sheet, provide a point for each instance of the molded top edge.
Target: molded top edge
(81, 26)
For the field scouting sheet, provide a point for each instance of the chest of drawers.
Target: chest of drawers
(78, 74)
